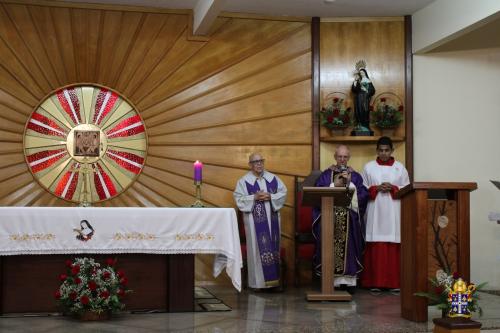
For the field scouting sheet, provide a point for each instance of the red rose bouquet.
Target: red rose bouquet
(387, 111)
(88, 286)
(336, 113)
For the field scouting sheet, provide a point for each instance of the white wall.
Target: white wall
(457, 138)
(443, 20)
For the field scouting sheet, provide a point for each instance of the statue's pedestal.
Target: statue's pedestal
(456, 325)
(357, 132)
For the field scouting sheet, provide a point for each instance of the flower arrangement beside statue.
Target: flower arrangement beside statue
(453, 296)
(91, 291)
(387, 112)
(336, 115)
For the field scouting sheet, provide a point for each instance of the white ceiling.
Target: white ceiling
(308, 8)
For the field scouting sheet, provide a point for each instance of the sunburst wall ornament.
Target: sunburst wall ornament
(85, 144)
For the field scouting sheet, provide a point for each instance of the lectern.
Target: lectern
(327, 197)
(435, 234)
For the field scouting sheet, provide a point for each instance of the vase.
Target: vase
(388, 131)
(338, 131)
(94, 316)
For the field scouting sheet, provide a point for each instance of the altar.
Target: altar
(155, 246)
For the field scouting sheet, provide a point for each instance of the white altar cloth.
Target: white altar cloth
(60, 230)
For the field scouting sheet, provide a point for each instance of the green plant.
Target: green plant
(335, 114)
(88, 286)
(387, 111)
(442, 286)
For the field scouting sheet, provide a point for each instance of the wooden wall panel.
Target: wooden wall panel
(244, 89)
(61, 19)
(292, 44)
(287, 159)
(291, 99)
(32, 40)
(43, 20)
(381, 45)
(242, 133)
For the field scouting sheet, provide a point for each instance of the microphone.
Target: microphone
(343, 169)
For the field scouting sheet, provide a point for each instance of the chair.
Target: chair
(243, 245)
(304, 240)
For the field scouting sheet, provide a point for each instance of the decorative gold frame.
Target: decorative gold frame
(49, 138)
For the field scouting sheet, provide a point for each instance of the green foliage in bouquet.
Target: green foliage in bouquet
(442, 286)
(387, 112)
(90, 286)
(336, 114)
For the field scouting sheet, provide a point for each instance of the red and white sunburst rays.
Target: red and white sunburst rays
(103, 105)
(43, 125)
(70, 103)
(66, 186)
(44, 159)
(127, 127)
(103, 184)
(129, 161)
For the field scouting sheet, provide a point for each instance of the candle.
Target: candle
(198, 166)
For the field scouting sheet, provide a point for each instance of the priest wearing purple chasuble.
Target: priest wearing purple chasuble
(349, 228)
(260, 195)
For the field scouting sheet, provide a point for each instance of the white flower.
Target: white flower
(441, 276)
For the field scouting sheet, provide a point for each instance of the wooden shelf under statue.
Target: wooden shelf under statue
(358, 139)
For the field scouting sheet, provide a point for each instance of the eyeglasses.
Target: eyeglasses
(257, 161)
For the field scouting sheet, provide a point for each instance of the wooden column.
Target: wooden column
(315, 34)
(1, 285)
(463, 233)
(408, 97)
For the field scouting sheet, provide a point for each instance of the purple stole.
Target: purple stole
(268, 240)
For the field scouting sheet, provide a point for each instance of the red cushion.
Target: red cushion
(241, 227)
(304, 224)
(305, 251)
(244, 251)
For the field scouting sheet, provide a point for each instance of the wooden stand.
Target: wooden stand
(416, 201)
(327, 197)
(456, 325)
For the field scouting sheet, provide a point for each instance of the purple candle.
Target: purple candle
(198, 166)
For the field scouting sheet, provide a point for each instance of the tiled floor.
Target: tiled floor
(262, 312)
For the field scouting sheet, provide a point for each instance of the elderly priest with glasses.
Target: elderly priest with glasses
(260, 195)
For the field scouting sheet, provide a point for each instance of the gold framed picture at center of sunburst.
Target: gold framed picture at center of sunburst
(85, 143)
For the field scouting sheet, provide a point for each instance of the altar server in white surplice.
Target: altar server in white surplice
(260, 195)
(383, 178)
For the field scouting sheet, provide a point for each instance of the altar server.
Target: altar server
(383, 178)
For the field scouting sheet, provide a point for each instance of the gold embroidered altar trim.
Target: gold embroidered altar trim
(30, 237)
(196, 237)
(133, 236)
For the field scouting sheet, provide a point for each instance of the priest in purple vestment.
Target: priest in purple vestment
(349, 229)
(260, 195)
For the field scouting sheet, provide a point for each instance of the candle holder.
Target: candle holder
(198, 203)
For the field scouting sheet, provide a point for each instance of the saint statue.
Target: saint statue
(363, 91)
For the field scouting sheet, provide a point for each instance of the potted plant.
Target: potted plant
(444, 287)
(91, 291)
(336, 114)
(387, 113)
